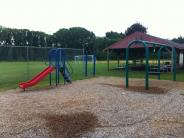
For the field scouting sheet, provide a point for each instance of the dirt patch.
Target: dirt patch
(70, 125)
(150, 90)
(140, 88)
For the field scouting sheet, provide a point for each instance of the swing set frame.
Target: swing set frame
(146, 45)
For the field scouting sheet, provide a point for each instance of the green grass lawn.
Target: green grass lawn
(11, 73)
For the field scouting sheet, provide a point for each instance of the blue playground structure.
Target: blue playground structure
(58, 62)
(57, 58)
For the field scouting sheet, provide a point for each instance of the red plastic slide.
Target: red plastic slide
(37, 78)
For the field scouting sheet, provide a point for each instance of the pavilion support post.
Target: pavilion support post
(108, 60)
(147, 67)
(126, 68)
(174, 63)
(118, 59)
(183, 60)
(159, 54)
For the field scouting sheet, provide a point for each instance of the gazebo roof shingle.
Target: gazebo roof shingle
(123, 43)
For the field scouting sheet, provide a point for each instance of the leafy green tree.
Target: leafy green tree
(75, 37)
(136, 27)
(114, 35)
(100, 44)
(62, 37)
(23, 37)
(19, 36)
(81, 38)
(5, 36)
(180, 39)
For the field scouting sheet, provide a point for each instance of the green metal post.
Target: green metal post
(159, 54)
(147, 67)
(50, 79)
(126, 67)
(174, 63)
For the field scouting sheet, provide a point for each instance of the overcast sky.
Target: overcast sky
(163, 18)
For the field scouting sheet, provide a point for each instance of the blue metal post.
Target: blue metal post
(59, 60)
(64, 66)
(86, 64)
(57, 65)
(83, 60)
(56, 70)
(50, 77)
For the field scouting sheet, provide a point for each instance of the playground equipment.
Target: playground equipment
(58, 63)
(146, 45)
(58, 59)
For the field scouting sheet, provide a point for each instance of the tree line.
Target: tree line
(75, 37)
